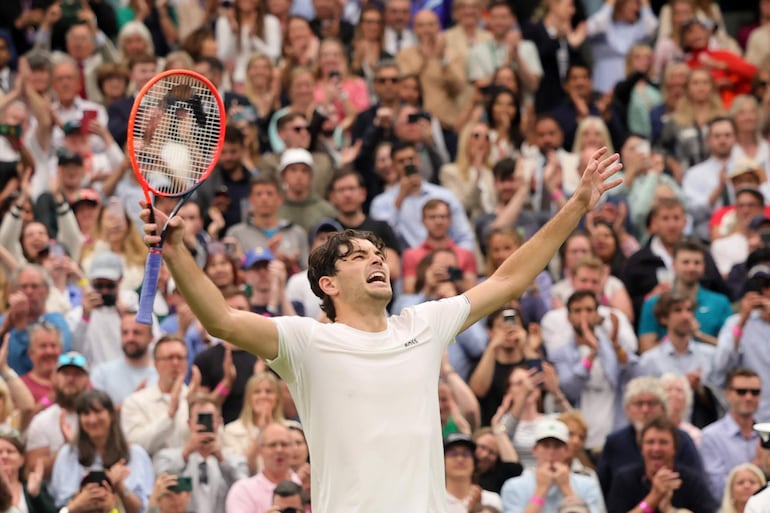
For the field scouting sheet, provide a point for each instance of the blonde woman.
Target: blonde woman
(684, 133)
(591, 132)
(749, 143)
(116, 232)
(243, 28)
(262, 405)
(636, 96)
(262, 86)
(679, 404)
(743, 481)
(470, 177)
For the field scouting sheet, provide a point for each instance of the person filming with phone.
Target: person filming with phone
(202, 459)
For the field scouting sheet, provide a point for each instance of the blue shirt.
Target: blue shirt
(18, 358)
(68, 472)
(723, 447)
(517, 492)
(711, 310)
(752, 353)
(119, 379)
(663, 358)
(407, 221)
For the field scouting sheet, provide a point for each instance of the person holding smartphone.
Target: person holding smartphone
(212, 470)
(171, 494)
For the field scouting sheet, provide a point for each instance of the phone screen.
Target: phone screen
(207, 420)
(88, 117)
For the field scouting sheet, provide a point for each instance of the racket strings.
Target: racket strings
(176, 133)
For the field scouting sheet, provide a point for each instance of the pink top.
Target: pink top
(357, 92)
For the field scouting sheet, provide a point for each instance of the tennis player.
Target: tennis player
(365, 385)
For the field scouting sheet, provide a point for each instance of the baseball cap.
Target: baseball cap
(759, 271)
(106, 265)
(295, 156)
(747, 165)
(256, 255)
(758, 222)
(87, 195)
(459, 439)
(67, 157)
(72, 359)
(323, 226)
(72, 127)
(551, 428)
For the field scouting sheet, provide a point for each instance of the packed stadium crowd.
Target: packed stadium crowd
(628, 378)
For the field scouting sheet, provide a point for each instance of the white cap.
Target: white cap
(551, 428)
(295, 156)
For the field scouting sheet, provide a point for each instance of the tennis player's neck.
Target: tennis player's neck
(372, 323)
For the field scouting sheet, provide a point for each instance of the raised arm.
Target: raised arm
(516, 273)
(249, 331)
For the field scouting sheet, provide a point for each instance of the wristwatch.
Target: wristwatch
(499, 429)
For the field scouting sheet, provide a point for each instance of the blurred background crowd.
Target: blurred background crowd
(628, 377)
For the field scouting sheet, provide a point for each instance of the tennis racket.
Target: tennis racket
(175, 135)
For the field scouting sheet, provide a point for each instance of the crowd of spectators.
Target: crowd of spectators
(628, 378)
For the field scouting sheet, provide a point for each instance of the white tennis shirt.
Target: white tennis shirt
(369, 406)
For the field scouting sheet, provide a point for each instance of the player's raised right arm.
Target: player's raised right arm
(249, 331)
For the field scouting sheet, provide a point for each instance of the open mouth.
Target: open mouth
(377, 276)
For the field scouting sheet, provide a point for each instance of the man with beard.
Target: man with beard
(56, 425)
(121, 377)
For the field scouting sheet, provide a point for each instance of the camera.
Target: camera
(109, 299)
(509, 316)
(417, 116)
(455, 273)
(410, 169)
(183, 484)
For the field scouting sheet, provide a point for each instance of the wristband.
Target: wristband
(45, 401)
(557, 195)
(541, 502)
(585, 362)
(646, 508)
(222, 390)
(737, 331)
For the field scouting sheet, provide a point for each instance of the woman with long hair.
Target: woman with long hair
(101, 445)
(749, 142)
(684, 133)
(300, 48)
(27, 489)
(637, 94)
(592, 132)
(262, 405)
(470, 177)
(336, 90)
(262, 86)
(220, 267)
(300, 92)
(504, 116)
(245, 28)
(299, 456)
(369, 44)
(607, 247)
(116, 232)
(743, 481)
(579, 461)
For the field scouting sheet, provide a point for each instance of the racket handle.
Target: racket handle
(149, 286)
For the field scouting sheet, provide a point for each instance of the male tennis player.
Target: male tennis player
(365, 385)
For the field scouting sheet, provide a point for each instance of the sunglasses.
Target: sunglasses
(382, 80)
(76, 360)
(743, 391)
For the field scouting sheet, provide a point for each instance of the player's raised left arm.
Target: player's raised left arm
(518, 271)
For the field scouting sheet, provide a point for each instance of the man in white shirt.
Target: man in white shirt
(365, 384)
(121, 377)
(156, 416)
(56, 425)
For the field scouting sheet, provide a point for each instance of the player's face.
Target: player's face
(362, 274)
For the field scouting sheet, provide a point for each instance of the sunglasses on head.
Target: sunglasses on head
(76, 360)
(743, 391)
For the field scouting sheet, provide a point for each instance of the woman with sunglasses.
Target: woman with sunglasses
(100, 445)
(470, 177)
(27, 490)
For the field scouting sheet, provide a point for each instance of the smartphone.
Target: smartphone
(69, 9)
(183, 484)
(410, 169)
(455, 273)
(95, 476)
(509, 316)
(534, 363)
(417, 116)
(89, 116)
(229, 249)
(207, 420)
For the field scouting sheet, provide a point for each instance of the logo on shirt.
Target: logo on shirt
(411, 342)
